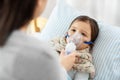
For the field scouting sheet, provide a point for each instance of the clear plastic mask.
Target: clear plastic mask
(76, 39)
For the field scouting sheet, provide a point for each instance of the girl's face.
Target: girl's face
(84, 29)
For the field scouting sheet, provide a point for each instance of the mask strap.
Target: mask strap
(88, 42)
(66, 36)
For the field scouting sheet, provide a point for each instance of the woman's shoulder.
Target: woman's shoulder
(30, 55)
(21, 42)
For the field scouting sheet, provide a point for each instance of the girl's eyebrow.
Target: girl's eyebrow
(73, 27)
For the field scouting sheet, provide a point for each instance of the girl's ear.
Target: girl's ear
(90, 44)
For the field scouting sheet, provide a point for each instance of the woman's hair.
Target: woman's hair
(93, 24)
(13, 15)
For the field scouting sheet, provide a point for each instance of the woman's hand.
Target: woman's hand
(67, 61)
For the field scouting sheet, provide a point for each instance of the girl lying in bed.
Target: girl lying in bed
(82, 34)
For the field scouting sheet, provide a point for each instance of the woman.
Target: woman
(22, 57)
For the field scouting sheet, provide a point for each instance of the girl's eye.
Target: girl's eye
(73, 30)
(83, 34)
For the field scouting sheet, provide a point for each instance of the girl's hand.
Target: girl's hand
(67, 61)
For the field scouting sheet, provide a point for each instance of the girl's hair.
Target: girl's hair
(13, 15)
(93, 24)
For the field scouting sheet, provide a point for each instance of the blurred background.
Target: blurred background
(104, 10)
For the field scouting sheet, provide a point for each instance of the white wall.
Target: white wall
(103, 10)
(50, 5)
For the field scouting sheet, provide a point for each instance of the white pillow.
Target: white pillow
(106, 52)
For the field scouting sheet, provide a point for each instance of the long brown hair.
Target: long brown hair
(93, 24)
(14, 14)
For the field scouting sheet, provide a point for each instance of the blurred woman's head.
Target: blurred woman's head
(17, 13)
